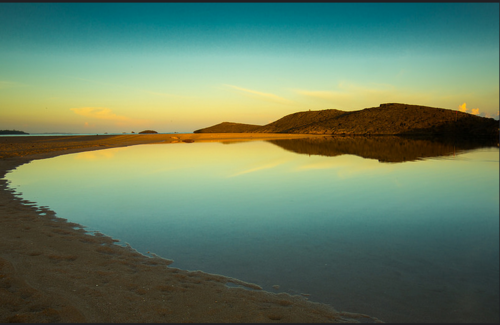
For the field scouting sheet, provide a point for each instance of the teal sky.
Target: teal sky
(172, 67)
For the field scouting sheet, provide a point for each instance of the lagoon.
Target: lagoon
(403, 231)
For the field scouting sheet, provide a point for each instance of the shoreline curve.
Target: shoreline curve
(52, 270)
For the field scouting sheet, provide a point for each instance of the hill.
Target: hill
(300, 120)
(12, 132)
(402, 119)
(228, 127)
(387, 119)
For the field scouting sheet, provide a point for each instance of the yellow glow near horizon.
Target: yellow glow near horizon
(181, 74)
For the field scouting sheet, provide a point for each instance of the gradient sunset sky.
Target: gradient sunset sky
(178, 67)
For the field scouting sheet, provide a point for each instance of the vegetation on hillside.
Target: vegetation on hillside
(228, 127)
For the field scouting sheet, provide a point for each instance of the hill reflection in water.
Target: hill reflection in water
(393, 149)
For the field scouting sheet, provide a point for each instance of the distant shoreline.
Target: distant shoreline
(12, 132)
(75, 134)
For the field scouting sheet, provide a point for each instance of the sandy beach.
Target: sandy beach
(51, 270)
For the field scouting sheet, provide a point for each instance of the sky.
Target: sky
(179, 67)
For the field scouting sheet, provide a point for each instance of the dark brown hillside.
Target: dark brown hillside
(383, 148)
(291, 122)
(403, 119)
(228, 127)
(388, 119)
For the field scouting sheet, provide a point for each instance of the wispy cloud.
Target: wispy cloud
(155, 93)
(494, 115)
(350, 95)
(98, 82)
(260, 95)
(9, 84)
(101, 113)
(353, 96)
(159, 94)
(324, 94)
(475, 111)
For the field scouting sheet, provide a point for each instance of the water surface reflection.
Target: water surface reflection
(416, 241)
(382, 148)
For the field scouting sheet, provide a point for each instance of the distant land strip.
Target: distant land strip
(12, 132)
(387, 119)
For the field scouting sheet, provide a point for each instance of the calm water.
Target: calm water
(406, 240)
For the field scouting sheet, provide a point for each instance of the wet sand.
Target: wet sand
(51, 270)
